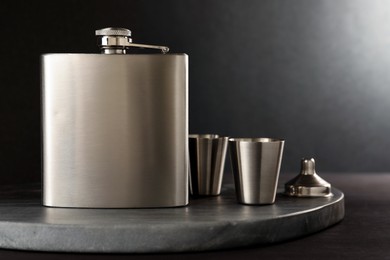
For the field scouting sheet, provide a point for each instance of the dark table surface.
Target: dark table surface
(363, 234)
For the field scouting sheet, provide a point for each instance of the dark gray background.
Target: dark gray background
(315, 73)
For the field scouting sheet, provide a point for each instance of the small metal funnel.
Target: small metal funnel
(308, 183)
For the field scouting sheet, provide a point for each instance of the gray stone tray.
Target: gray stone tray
(206, 224)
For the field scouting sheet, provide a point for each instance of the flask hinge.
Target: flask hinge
(117, 40)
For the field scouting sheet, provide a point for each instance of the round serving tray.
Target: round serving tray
(209, 223)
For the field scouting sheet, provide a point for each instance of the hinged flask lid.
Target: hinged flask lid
(115, 40)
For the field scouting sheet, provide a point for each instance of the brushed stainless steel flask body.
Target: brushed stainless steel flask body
(115, 130)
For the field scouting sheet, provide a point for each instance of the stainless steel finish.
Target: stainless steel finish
(256, 165)
(115, 130)
(113, 31)
(115, 40)
(308, 183)
(207, 160)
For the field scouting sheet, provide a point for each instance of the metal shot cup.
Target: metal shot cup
(256, 166)
(207, 161)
